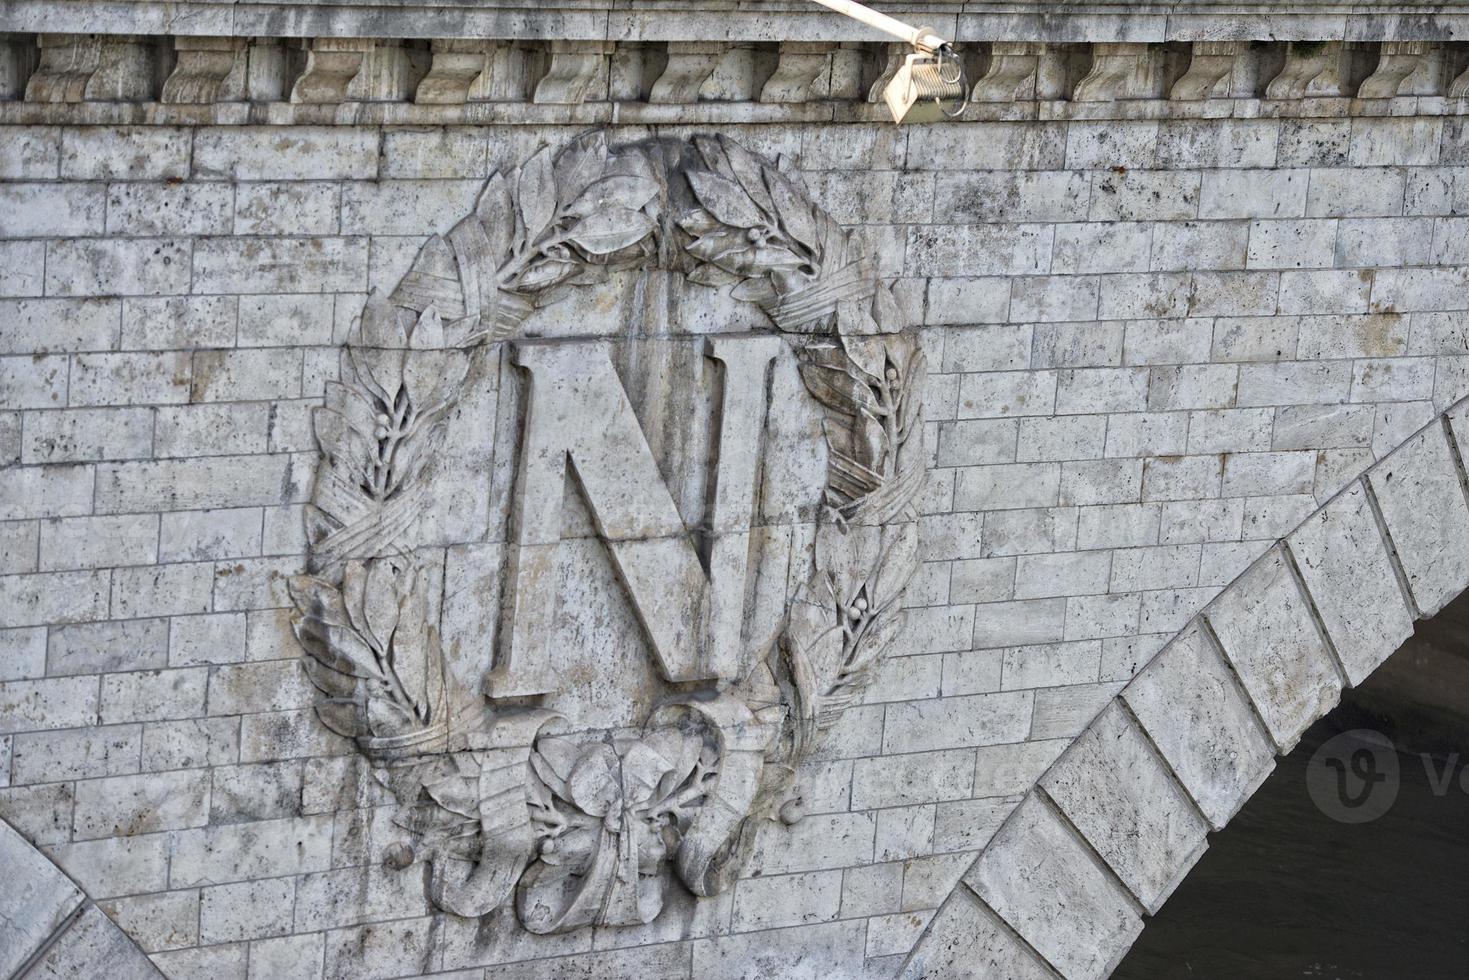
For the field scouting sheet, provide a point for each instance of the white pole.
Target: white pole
(917, 36)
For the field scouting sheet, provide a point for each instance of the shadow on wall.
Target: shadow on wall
(1352, 860)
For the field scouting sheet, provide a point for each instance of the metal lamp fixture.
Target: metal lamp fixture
(929, 77)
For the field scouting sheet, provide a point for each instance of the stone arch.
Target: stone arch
(48, 926)
(1112, 827)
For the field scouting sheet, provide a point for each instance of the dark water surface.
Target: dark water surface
(1286, 892)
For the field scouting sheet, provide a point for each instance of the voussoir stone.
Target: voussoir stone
(1345, 565)
(966, 941)
(93, 947)
(1421, 477)
(36, 900)
(1043, 880)
(1192, 708)
(1268, 634)
(1112, 786)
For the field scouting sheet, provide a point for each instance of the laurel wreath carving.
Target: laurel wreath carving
(486, 794)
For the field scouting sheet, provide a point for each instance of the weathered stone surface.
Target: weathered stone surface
(1270, 637)
(967, 940)
(1193, 710)
(1345, 564)
(1050, 888)
(93, 946)
(1113, 787)
(1161, 334)
(1422, 477)
(36, 903)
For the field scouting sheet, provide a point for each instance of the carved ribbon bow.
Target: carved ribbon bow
(609, 816)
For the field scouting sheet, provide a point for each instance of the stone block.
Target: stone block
(1253, 194)
(163, 590)
(1116, 791)
(117, 267)
(87, 435)
(1267, 632)
(22, 653)
(228, 961)
(31, 153)
(220, 429)
(956, 722)
(169, 209)
(818, 842)
(44, 326)
(190, 743)
(130, 379)
(93, 946)
(775, 901)
(246, 910)
(1422, 477)
(98, 542)
(294, 153)
(92, 648)
(1063, 574)
(113, 866)
(36, 902)
(1031, 531)
(57, 702)
(161, 921)
(1345, 565)
(1144, 195)
(240, 375)
(1100, 481)
(904, 832)
(1064, 712)
(125, 153)
(1061, 438)
(261, 849)
(925, 777)
(813, 952)
(403, 947)
(153, 695)
(125, 806)
(966, 941)
(287, 957)
(981, 250)
(178, 322)
(263, 791)
(208, 639)
(209, 535)
(295, 208)
(1004, 624)
(44, 491)
(192, 484)
(1050, 888)
(285, 321)
(280, 265)
(1147, 434)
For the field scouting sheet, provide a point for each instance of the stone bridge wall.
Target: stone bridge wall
(1163, 330)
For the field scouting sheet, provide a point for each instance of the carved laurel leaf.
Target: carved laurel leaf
(578, 165)
(618, 191)
(835, 381)
(795, 213)
(746, 168)
(610, 229)
(726, 200)
(496, 214)
(536, 194)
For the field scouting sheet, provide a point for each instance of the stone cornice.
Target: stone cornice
(745, 20)
(325, 79)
